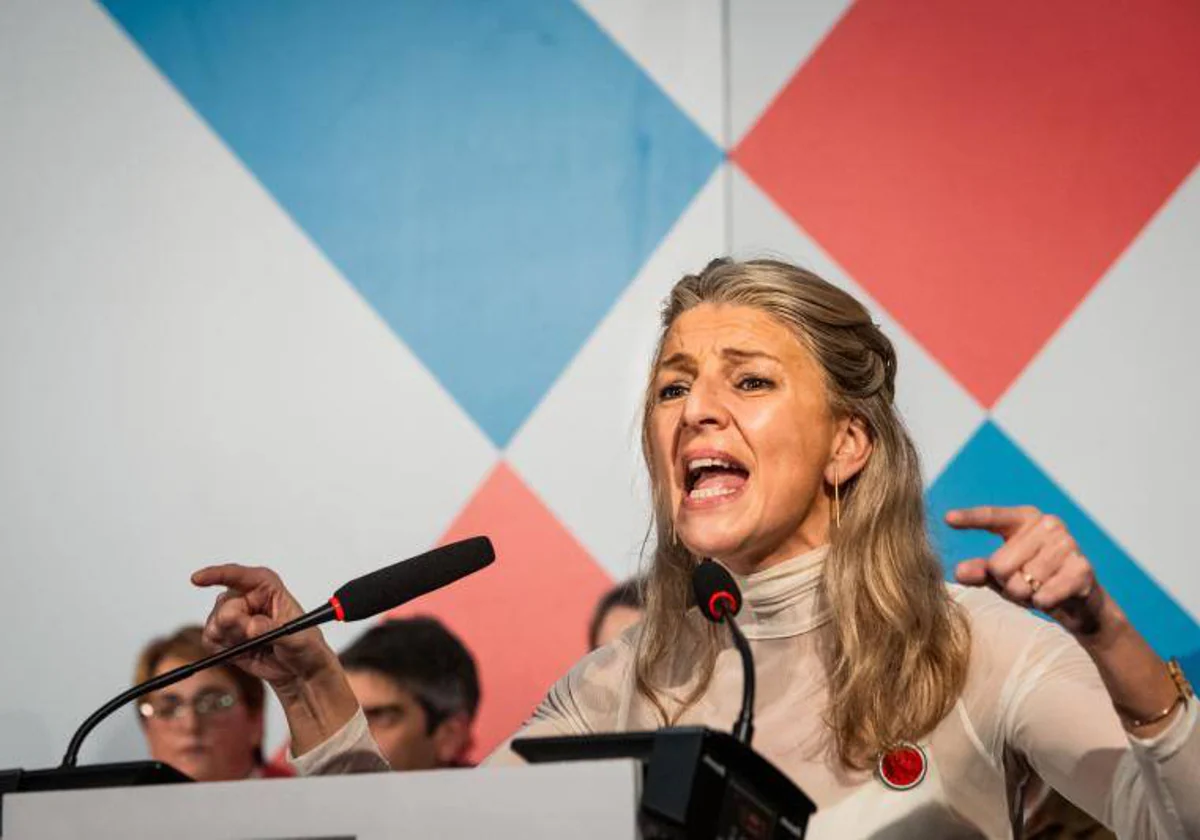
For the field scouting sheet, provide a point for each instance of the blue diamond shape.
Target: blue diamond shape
(1190, 663)
(489, 175)
(992, 470)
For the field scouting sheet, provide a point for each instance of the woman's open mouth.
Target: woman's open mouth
(712, 478)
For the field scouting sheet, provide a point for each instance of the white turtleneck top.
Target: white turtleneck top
(1033, 702)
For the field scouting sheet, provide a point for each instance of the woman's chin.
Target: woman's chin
(198, 770)
(712, 546)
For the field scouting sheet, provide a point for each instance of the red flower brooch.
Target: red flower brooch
(903, 767)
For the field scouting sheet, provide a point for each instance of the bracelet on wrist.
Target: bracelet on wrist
(1183, 691)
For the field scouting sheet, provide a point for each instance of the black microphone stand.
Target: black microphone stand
(743, 728)
(67, 776)
(320, 615)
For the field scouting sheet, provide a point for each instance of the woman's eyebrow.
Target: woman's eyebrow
(679, 361)
(685, 362)
(737, 354)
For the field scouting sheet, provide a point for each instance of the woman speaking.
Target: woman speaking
(898, 703)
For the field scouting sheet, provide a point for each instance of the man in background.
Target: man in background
(619, 609)
(419, 689)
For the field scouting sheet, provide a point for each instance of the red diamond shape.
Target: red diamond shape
(978, 166)
(525, 616)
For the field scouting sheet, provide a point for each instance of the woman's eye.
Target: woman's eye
(754, 383)
(672, 391)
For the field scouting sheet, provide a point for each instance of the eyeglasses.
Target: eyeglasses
(206, 704)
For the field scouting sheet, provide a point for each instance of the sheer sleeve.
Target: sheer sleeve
(592, 697)
(1054, 711)
(349, 750)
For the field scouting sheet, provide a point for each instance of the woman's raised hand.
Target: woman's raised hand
(1039, 565)
(254, 602)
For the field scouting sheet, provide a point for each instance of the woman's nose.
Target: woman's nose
(704, 406)
(190, 720)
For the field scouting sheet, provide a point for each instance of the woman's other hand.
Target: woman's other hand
(1039, 565)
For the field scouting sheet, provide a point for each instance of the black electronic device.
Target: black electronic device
(697, 784)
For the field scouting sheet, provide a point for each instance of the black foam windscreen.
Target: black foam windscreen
(713, 585)
(400, 582)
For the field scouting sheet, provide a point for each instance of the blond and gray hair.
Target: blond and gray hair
(898, 645)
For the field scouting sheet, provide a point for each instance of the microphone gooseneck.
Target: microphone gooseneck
(320, 615)
(719, 599)
(363, 597)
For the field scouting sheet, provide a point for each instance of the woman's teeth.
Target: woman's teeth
(710, 492)
(699, 463)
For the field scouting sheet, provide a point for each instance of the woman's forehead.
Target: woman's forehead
(717, 328)
(209, 678)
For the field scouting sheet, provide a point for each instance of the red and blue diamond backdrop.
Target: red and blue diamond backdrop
(320, 284)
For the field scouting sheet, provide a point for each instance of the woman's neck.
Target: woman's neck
(784, 599)
(803, 541)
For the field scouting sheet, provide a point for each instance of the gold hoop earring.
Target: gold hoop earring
(837, 497)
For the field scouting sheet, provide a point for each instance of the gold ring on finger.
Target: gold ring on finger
(1033, 582)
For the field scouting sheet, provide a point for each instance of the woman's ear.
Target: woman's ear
(852, 447)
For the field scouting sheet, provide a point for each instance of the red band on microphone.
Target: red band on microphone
(338, 612)
(718, 598)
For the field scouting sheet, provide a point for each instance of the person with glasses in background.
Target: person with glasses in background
(209, 726)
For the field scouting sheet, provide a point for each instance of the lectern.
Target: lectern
(595, 800)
